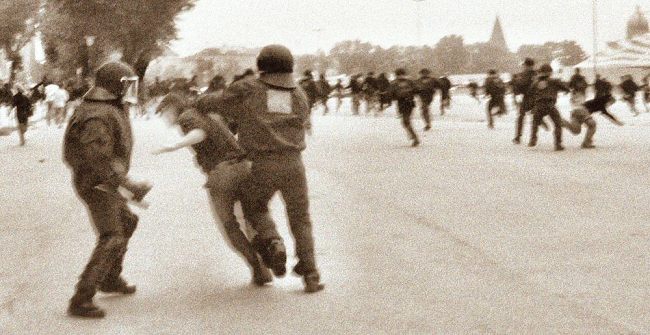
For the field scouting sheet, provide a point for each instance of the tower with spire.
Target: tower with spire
(637, 25)
(497, 39)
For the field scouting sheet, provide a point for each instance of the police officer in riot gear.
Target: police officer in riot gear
(97, 148)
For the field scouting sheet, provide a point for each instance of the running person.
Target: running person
(403, 90)
(426, 88)
(273, 116)
(582, 114)
(97, 147)
(545, 90)
(222, 160)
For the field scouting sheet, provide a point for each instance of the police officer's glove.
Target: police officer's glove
(139, 190)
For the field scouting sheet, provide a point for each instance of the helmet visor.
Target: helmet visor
(130, 93)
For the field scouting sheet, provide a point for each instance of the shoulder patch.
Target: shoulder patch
(278, 102)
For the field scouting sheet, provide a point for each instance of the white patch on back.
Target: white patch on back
(278, 101)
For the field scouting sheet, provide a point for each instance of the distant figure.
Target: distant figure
(496, 90)
(473, 90)
(426, 88)
(403, 90)
(629, 88)
(324, 90)
(308, 85)
(545, 90)
(355, 88)
(444, 84)
(602, 87)
(50, 96)
(383, 85)
(646, 92)
(61, 97)
(23, 111)
(338, 93)
(578, 84)
(217, 84)
(582, 114)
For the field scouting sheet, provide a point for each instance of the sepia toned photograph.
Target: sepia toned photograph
(324, 167)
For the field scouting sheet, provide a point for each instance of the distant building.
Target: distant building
(637, 25)
(498, 39)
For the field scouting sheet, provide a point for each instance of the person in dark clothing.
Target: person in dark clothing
(582, 114)
(602, 87)
(629, 88)
(24, 109)
(383, 85)
(356, 90)
(444, 84)
(545, 90)
(97, 147)
(426, 89)
(370, 92)
(222, 160)
(308, 85)
(522, 86)
(403, 90)
(324, 90)
(645, 87)
(473, 91)
(496, 90)
(338, 93)
(217, 84)
(578, 84)
(273, 114)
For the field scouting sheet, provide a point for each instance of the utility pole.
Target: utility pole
(595, 33)
(419, 22)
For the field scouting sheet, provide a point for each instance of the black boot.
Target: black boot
(273, 253)
(81, 305)
(312, 283)
(118, 285)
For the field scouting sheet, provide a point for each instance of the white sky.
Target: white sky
(295, 23)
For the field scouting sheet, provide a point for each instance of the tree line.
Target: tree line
(449, 56)
(82, 34)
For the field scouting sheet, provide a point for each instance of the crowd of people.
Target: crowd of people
(57, 101)
(248, 136)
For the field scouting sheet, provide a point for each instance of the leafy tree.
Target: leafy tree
(569, 52)
(18, 19)
(484, 57)
(451, 54)
(137, 30)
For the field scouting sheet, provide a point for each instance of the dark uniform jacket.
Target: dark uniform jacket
(98, 141)
(545, 90)
(426, 87)
(271, 119)
(578, 83)
(522, 86)
(495, 88)
(403, 90)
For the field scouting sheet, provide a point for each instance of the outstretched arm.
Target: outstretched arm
(611, 117)
(193, 137)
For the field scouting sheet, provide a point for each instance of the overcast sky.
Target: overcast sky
(307, 25)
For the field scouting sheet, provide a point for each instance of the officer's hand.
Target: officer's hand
(140, 190)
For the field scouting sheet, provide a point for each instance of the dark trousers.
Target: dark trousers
(538, 114)
(114, 224)
(284, 172)
(426, 109)
(498, 103)
(405, 111)
(223, 208)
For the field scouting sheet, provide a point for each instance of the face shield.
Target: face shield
(130, 92)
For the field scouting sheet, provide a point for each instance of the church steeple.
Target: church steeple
(637, 25)
(497, 39)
